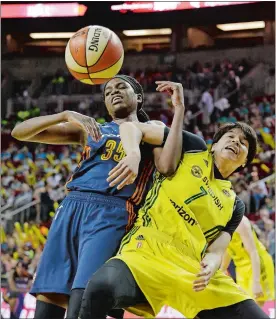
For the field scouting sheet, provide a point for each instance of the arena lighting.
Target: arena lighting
(147, 32)
(241, 26)
(159, 6)
(52, 35)
(42, 10)
(45, 43)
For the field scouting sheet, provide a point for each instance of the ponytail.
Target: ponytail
(142, 116)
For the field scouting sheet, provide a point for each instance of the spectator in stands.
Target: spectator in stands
(233, 84)
(58, 83)
(265, 107)
(270, 83)
(46, 203)
(24, 196)
(19, 281)
(207, 106)
(264, 221)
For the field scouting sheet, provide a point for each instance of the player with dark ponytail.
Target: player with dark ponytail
(93, 218)
(137, 88)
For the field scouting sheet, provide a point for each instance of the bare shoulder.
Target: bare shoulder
(244, 225)
(154, 122)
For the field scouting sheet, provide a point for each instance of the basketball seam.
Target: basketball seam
(102, 51)
(83, 66)
(89, 76)
(86, 57)
(78, 72)
(107, 67)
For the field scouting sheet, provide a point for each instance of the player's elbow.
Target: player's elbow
(166, 169)
(15, 134)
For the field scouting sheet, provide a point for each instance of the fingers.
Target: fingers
(91, 127)
(98, 131)
(162, 82)
(94, 129)
(200, 287)
(89, 131)
(121, 174)
(201, 284)
(203, 278)
(167, 86)
(164, 86)
(127, 181)
(115, 172)
(205, 272)
(124, 174)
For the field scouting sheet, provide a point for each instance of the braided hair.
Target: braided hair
(141, 114)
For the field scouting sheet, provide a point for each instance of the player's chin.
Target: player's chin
(230, 156)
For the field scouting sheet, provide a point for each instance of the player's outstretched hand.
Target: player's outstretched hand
(88, 124)
(208, 267)
(175, 90)
(125, 172)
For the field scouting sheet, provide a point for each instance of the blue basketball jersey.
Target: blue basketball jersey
(98, 158)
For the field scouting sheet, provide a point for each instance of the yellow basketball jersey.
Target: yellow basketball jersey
(239, 254)
(181, 215)
(244, 270)
(192, 188)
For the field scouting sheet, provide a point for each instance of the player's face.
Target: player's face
(232, 146)
(120, 98)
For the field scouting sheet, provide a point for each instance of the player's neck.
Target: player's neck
(131, 118)
(225, 168)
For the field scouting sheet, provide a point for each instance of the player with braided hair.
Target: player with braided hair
(93, 218)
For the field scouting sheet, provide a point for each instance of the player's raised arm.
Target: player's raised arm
(167, 158)
(63, 128)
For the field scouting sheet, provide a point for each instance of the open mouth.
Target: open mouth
(234, 150)
(116, 99)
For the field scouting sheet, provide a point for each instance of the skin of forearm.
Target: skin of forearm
(255, 260)
(172, 149)
(131, 137)
(34, 126)
(219, 246)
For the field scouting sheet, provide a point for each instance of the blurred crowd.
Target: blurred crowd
(214, 94)
(37, 172)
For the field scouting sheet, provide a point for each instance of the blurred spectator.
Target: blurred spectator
(58, 83)
(19, 281)
(207, 106)
(270, 83)
(264, 222)
(233, 84)
(46, 203)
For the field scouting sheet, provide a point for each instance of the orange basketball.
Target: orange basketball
(94, 55)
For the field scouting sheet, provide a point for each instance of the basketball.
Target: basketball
(94, 55)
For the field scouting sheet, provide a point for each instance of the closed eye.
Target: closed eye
(122, 86)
